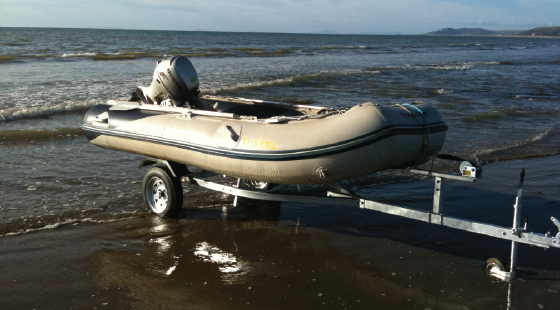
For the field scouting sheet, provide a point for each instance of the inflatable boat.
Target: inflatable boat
(259, 140)
(272, 142)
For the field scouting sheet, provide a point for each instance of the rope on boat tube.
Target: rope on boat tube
(426, 141)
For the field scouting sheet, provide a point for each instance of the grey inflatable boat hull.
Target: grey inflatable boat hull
(312, 149)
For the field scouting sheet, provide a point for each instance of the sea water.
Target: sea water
(500, 97)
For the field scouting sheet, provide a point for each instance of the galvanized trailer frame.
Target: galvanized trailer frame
(340, 196)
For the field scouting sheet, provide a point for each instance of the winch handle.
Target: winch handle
(555, 221)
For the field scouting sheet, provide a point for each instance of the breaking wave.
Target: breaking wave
(18, 227)
(442, 91)
(108, 56)
(78, 55)
(220, 52)
(12, 114)
(460, 66)
(116, 209)
(543, 143)
(285, 81)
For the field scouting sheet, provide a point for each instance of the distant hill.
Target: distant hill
(542, 31)
(473, 32)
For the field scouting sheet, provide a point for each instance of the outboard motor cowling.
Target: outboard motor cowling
(174, 78)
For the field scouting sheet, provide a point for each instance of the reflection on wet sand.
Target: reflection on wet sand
(233, 269)
(251, 260)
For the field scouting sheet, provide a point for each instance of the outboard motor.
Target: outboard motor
(175, 82)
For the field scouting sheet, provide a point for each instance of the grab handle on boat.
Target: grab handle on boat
(232, 134)
(405, 105)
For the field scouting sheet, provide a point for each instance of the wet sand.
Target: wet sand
(265, 255)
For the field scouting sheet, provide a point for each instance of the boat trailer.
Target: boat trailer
(340, 196)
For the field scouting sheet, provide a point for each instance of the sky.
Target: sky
(292, 16)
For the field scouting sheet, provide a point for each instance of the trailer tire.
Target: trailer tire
(259, 184)
(494, 263)
(162, 193)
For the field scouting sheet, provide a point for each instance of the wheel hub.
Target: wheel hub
(157, 195)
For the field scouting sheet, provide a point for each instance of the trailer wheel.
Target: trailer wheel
(494, 264)
(259, 184)
(162, 193)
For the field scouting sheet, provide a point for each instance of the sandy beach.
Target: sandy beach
(264, 255)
